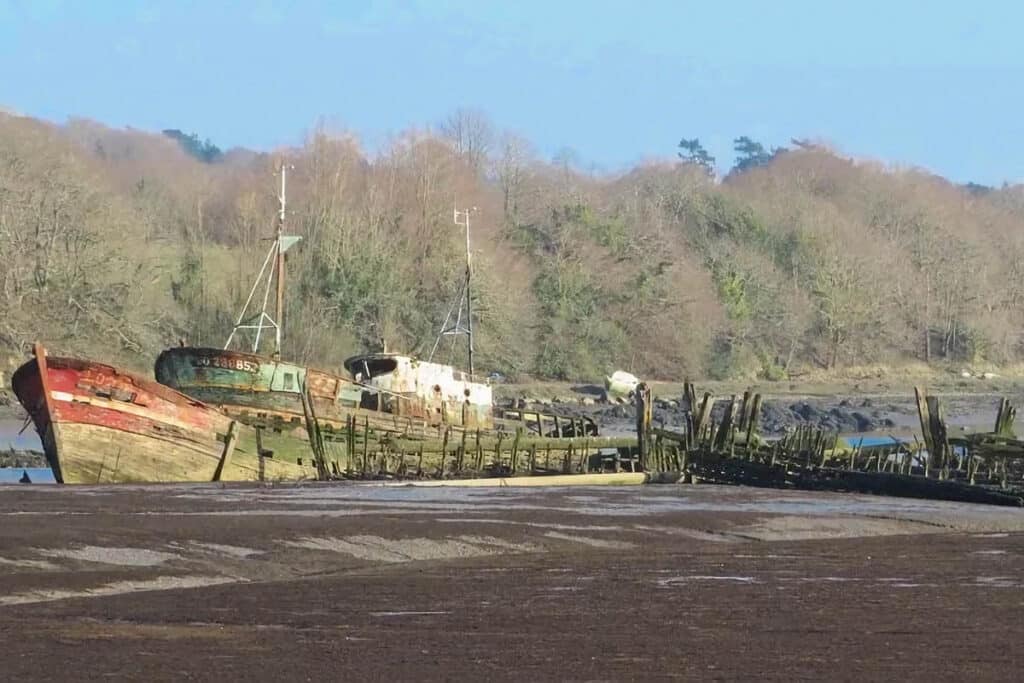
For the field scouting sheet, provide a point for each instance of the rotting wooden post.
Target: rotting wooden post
(701, 420)
(462, 450)
(497, 450)
(366, 441)
(230, 439)
(316, 442)
(444, 450)
(259, 439)
(744, 411)
(1004, 419)
(479, 452)
(688, 435)
(752, 419)
(643, 422)
(940, 440)
(350, 442)
(515, 449)
(924, 414)
(725, 428)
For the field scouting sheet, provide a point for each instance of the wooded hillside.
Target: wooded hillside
(116, 243)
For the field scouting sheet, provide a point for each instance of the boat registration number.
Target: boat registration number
(226, 363)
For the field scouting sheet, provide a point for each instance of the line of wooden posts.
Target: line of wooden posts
(714, 446)
(362, 450)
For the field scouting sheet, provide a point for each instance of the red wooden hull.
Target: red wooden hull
(99, 424)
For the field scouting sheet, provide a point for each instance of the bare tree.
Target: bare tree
(511, 169)
(472, 134)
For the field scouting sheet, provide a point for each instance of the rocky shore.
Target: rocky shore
(21, 458)
(842, 413)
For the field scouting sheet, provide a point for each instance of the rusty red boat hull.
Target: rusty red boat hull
(99, 424)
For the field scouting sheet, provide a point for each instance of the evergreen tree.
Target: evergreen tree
(750, 154)
(692, 152)
(207, 152)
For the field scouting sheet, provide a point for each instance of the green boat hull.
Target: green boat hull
(245, 382)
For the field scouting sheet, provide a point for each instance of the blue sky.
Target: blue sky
(935, 84)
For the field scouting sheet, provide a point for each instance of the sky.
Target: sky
(935, 84)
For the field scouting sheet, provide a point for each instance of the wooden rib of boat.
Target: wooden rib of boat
(99, 424)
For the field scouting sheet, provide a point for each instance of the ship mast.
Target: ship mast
(279, 313)
(465, 300)
(270, 273)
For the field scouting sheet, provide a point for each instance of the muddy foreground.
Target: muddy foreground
(332, 582)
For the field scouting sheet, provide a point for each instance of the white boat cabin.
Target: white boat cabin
(432, 391)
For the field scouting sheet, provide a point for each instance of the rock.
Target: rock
(864, 423)
(806, 411)
(587, 401)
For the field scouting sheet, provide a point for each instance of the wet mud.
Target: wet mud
(350, 582)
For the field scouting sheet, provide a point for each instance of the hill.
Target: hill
(116, 243)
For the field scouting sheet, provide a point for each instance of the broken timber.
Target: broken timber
(984, 468)
(729, 451)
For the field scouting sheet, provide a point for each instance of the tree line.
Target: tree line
(116, 243)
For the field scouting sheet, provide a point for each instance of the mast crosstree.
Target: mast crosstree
(271, 273)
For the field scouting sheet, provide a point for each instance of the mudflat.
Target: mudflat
(352, 582)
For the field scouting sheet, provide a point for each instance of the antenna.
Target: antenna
(273, 263)
(465, 300)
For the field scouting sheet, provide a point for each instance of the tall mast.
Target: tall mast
(465, 299)
(279, 316)
(469, 291)
(273, 268)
